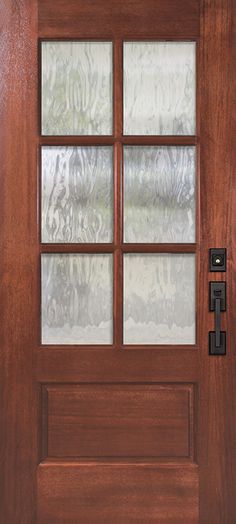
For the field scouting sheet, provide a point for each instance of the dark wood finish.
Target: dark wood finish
(117, 420)
(162, 140)
(124, 494)
(118, 246)
(152, 19)
(118, 207)
(19, 263)
(217, 398)
(165, 364)
(34, 379)
(159, 248)
(230, 392)
(118, 259)
(43, 424)
(77, 248)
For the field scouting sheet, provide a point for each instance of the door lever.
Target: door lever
(217, 303)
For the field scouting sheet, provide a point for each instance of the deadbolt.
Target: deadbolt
(217, 259)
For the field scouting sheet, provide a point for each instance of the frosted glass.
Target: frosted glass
(77, 194)
(77, 299)
(159, 88)
(159, 299)
(77, 88)
(159, 194)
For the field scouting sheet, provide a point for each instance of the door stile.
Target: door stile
(217, 381)
(19, 279)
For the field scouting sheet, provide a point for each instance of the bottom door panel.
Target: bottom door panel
(118, 494)
(132, 421)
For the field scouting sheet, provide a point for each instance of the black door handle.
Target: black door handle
(217, 303)
(217, 321)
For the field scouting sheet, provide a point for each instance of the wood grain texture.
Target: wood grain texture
(161, 364)
(217, 398)
(117, 420)
(104, 494)
(19, 281)
(126, 248)
(231, 436)
(118, 137)
(155, 18)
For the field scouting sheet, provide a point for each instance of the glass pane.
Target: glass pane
(77, 194)
(159, 299)
(77, 88)
(159, 198)
(159, 88)
(77, 299)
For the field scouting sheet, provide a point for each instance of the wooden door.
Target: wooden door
(117, 178)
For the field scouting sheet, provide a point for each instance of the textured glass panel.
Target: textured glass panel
(77, 299)
(159, 88)
(159, 200)
(76, 88)
(77, 194)
(159, 299)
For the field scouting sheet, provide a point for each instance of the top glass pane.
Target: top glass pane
(159, 88)
(77, 88)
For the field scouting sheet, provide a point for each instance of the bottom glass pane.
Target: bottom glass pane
(159, 299)
(77, 299)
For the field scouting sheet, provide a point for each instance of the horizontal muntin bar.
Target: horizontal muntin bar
(111, 140)
(125, 248)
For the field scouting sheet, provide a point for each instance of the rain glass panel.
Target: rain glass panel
(159, 299)
(159, 88)
(159, 194)
(77, 194)
(77, 299)
(76, 88)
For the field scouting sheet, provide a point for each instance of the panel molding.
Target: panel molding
(60, 412)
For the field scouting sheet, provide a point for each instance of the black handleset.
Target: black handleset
(217, 301)
(217, 338)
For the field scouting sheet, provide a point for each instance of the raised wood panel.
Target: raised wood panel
(156, 18)
(117, 420)
(72, 494)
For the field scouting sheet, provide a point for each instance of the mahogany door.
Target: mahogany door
(117, 162)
